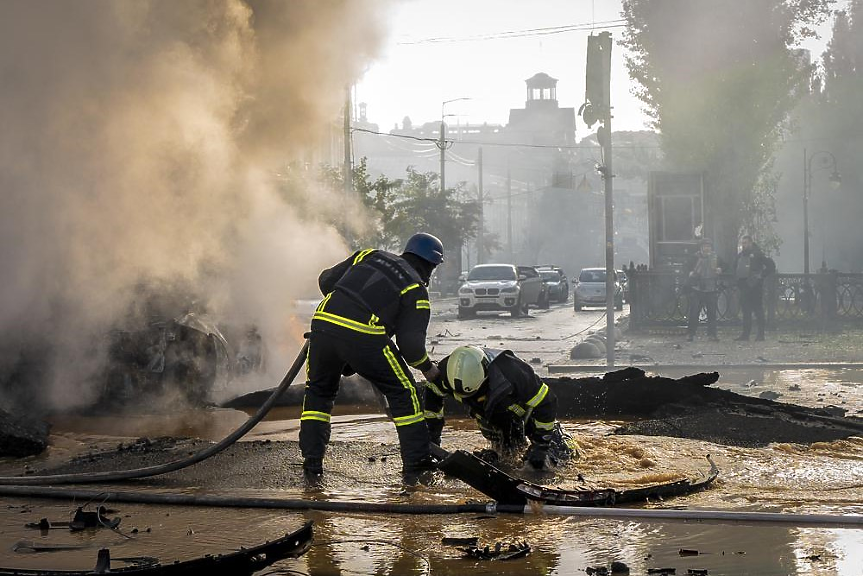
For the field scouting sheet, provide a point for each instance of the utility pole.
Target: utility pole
(479, 247)
(610, 283)
(509, 215)
(348, 168)
(442, 146)
(598, 108)
(806, 182)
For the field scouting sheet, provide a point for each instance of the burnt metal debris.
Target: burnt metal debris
(500, 551)
(82, 520)
(243, 562)
(506, 489)
(460, 541)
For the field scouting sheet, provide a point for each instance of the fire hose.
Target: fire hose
(33, 486)
(648, 514)
(117, 476)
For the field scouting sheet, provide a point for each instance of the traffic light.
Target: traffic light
(597, 77)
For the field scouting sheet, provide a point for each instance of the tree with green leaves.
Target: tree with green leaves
(402, 207)
(834, 122)
(421, 206)
(719, 79)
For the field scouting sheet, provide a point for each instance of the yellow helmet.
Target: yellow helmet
(466, 369)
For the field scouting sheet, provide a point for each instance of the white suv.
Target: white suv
(499, 287)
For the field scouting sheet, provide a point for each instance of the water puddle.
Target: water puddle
(363, 465)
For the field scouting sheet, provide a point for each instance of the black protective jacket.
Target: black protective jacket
(749, 267)
(376, 293)
(512, 404)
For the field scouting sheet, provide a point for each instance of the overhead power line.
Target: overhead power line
(450, 142)
(583, 27)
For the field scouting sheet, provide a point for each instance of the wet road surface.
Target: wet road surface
(362, 465)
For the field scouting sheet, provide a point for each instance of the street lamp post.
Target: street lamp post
(835, 181)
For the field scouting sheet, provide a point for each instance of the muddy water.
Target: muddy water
(363, 465)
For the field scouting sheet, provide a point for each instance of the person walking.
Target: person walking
(509, 402)
(368, 298)
(749, 271)
(703, 289)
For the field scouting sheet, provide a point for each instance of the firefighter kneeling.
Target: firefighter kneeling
(507, 399)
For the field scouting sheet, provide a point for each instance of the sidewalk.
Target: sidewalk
(667, 347)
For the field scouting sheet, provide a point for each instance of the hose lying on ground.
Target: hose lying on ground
(217, 501)
(116, 476)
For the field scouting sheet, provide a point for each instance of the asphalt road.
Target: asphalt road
(543, 337)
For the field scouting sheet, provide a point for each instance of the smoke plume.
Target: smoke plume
(139, 142)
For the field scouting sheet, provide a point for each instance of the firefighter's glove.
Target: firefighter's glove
(487, 455)
(493, 435)
(433, 374)
(537, 456)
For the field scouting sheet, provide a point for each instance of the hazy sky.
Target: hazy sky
(412, 78)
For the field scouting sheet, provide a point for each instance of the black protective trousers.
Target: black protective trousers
(752, 302)
(376, 359)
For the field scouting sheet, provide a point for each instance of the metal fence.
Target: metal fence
(662, 298)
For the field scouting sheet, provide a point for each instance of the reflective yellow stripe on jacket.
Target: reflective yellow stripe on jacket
(371, 327)
(418, 362)
(350, 324)
(538, 397)
(517, 410)
(549, 426)
(362, 255)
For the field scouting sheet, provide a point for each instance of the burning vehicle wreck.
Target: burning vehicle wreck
(189, 354)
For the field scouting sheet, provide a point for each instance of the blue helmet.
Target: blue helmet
(426, 246)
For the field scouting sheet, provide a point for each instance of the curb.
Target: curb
(566, 368)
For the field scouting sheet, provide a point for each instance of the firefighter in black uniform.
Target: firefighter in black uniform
(368, 298)
(506, 398)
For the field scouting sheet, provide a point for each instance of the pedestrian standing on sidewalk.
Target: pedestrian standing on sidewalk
(703, 289)
(749, 270)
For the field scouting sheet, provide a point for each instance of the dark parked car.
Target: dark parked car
(556, 281)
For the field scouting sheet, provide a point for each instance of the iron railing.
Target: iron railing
(662, 298)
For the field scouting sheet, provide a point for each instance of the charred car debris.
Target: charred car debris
(189, 353)
(81, 520)
(243, 562)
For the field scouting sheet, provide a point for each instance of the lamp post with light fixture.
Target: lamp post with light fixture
(835, 182)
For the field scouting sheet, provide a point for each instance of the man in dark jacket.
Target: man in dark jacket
(368, 298)
(506, 398)
(703, 289)
(749, 270)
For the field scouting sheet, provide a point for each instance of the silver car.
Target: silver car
(590, 289)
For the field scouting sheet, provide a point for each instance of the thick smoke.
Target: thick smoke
(139, 142)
